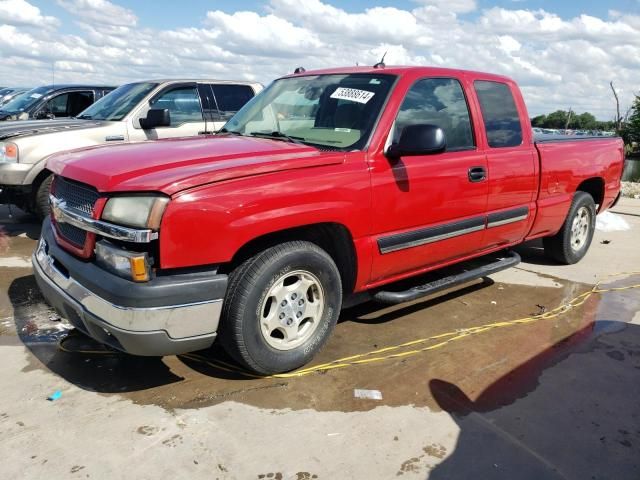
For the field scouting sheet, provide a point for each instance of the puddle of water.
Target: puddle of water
(472, 363)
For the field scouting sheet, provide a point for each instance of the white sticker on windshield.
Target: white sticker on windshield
(35, 95)
(353, 94)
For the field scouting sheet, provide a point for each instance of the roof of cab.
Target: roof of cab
(61, 86)
(402, 70)
(197, 80)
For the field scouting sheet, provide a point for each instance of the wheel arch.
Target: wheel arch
(334, 238)
(594, 186)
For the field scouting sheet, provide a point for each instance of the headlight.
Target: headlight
(8, 152)
(130, 265)
(143, 211)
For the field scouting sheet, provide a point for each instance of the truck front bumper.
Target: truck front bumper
(14, 173)
(167, 316)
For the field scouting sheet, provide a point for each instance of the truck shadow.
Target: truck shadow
(15, 222)
(104, 372)
(533, 252)
(571, 411)
(362, 313)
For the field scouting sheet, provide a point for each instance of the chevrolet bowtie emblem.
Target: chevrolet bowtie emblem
(57, 207)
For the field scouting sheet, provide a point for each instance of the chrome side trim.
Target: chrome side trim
(179, 321)
(436, 238)
(506, 221)
(63, 214)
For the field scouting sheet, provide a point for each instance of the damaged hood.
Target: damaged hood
(170, 166)
(12, 130)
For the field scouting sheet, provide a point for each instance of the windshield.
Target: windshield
(336, 111)
(117, 104)
(27, 100)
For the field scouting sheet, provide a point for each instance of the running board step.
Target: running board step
(392, 298)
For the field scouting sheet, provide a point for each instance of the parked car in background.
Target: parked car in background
(133, 112)
(8, 94)
(326, 189)
(53, 101)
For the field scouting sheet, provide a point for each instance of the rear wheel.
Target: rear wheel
(572, 242)
(281, 307)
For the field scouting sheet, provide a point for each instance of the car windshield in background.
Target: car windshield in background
(117, 104)
(28, 99)
(336, 111)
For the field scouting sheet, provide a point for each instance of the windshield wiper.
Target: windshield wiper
(83, 117)
(277, 135)
(230, 132)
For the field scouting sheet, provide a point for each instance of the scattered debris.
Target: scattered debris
(367, 394)
(605, 242)
(54, 396)
(493, 302)
(610, 222)
(541, 309)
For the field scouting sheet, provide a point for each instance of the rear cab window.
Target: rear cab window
(500, 114)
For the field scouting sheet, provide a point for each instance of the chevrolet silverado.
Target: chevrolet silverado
(328, 186)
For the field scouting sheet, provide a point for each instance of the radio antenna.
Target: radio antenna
(381, 64)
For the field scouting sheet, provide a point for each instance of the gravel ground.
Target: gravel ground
(631, 189)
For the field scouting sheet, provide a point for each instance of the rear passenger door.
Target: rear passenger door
(512, 163)
(429, 208)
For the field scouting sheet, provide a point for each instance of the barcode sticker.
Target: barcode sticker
(353, 94)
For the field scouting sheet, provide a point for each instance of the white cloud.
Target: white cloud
(20, 12)
(455, 6)
(559, 62)
(100, 11)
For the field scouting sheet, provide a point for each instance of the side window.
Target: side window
(231, 98)
(501, 119)
(69, 104)
(440, 102)
(78, 101)
(58, 105)
(183, 104)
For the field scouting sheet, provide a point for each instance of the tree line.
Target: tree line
(628, 127)
(570, 120)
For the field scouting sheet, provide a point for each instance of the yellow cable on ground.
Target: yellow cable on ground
(374, 356)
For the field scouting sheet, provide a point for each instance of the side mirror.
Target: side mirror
(156, 117)
(44, 115)
(418, 139)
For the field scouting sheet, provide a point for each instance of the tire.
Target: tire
(265, 335)
(41, 197)
(572, 242)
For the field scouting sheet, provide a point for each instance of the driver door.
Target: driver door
(65, 105)
(185, 110)
(429, 209)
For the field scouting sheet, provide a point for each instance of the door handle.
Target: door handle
(477, 174)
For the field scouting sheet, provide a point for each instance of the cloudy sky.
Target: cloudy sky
(563, 54)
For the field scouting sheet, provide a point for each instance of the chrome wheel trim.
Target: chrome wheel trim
(580, 229)
(292, 310)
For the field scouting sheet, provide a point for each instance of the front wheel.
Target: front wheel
(281, 307)
(572, 242)
(41, 197)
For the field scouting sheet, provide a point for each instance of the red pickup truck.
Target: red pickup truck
(327, 186)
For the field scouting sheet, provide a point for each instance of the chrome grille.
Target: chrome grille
(79, 197)
(76, 195)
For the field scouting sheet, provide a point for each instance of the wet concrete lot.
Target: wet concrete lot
(554, 398)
